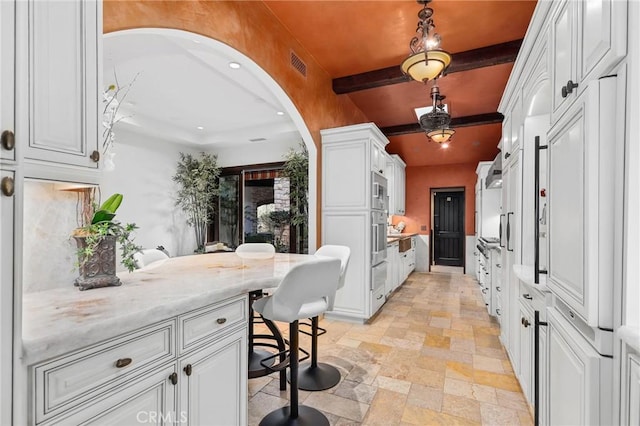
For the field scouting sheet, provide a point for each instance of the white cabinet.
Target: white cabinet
(582, 205)
(59, 79)
(213, 383)
(350, 157)
(393, 266)
(7, 78)
(378, 156)
(7, 213)
(579, 378)
(397, 184)
(630, 414)
(525, 328)
(192, 368)
(588, 38)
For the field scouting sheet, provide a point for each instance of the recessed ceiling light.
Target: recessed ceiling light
(234, 65)
(280, 113)
(200, 128)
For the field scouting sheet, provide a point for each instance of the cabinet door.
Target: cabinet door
(582, 206)
(63, 86)
(579, 378)
(513, 249)
(7, 73)
(543, 365)
(563, 52)
(400, 188)
(603, 34)
(213, 383)
(526, 352)
(151, 399)
(7, 204)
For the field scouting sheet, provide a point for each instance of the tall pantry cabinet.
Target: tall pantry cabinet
(563, 153)
(49, 111)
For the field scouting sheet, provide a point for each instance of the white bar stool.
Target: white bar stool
(305, 292)
(314, 376)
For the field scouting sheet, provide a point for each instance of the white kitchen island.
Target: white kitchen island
(169, 344)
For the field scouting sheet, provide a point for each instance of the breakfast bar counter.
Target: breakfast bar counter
(62, 320)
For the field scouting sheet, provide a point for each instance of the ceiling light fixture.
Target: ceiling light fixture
(200, 128)
(436, 122)
(234, 65)
(426, 60)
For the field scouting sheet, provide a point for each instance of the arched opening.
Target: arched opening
(187, 97)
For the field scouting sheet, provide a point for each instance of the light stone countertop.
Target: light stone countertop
(63, 320)
(391, 238)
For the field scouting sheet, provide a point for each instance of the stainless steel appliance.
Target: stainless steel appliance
(379, 193)
(378, 237)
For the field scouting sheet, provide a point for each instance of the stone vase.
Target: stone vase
(100, 269)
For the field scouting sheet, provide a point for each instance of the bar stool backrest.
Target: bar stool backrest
(304, 292)
(146, 257)
(337, 252)
(256, 250)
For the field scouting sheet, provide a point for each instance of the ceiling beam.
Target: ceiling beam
(464, 61)
(467, 121)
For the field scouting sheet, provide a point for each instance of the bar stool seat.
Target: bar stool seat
(256, 355)
(306, 291)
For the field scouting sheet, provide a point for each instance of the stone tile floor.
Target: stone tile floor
(432, 356)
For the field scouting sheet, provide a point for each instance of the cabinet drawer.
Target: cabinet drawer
(206, 324)
(70, 380)
(377, 299)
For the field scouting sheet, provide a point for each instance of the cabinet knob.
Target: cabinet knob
(568, 88)
(507, 155)
(123, 362)
(188, 369)
(95, 156)
(8, 186)
(498, 312)
(498, 288)
(379, 297)
(527, 296)
(8, 140)
(525, 322)
(173, 377)
(221, 320)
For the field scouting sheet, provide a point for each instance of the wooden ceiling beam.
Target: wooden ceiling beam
(464, 61)
(467, 121)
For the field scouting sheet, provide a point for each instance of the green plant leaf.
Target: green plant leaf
(102, 216)
(112, 203)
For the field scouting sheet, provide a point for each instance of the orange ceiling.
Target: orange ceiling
(351, 36)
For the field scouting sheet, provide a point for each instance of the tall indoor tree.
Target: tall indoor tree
(296, 169)
(197, 179)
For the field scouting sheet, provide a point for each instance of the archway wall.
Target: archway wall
(249, 27)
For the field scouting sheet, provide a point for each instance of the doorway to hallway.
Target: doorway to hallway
(448, 226)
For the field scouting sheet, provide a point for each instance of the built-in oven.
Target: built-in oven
(378, 237)
(379, 193)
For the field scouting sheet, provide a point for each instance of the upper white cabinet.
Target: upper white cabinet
(588, 38)
(7, 211)
(379, 157)
(397, 184)
(7, 79)
(58, 56)
(582, 154)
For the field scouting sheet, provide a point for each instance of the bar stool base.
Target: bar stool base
(321, 377)
(307, 416)
(254, 361)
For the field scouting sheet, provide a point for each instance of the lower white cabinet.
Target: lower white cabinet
(579, 378)
(213, 383)
(526, 327)
(393, 266)
(142, 378)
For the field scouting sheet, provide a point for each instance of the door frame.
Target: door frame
(432, 195)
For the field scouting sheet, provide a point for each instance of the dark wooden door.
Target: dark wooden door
(448, 221)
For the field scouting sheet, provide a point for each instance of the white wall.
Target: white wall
(256, 153)
(143, 171)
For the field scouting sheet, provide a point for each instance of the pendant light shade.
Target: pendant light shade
(426, 60)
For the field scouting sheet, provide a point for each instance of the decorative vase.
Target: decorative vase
(100, 269)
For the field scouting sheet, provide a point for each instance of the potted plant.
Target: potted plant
(96, 243)
(197, 180)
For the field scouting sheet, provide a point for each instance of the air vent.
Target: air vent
(257, 140)
(297, 63)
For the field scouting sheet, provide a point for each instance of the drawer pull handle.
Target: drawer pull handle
(379, 297)
(498, 288)
(221, 320)
(498, 312)
(527, 296)
(123, 362)
(188, 369)
(173, 377)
